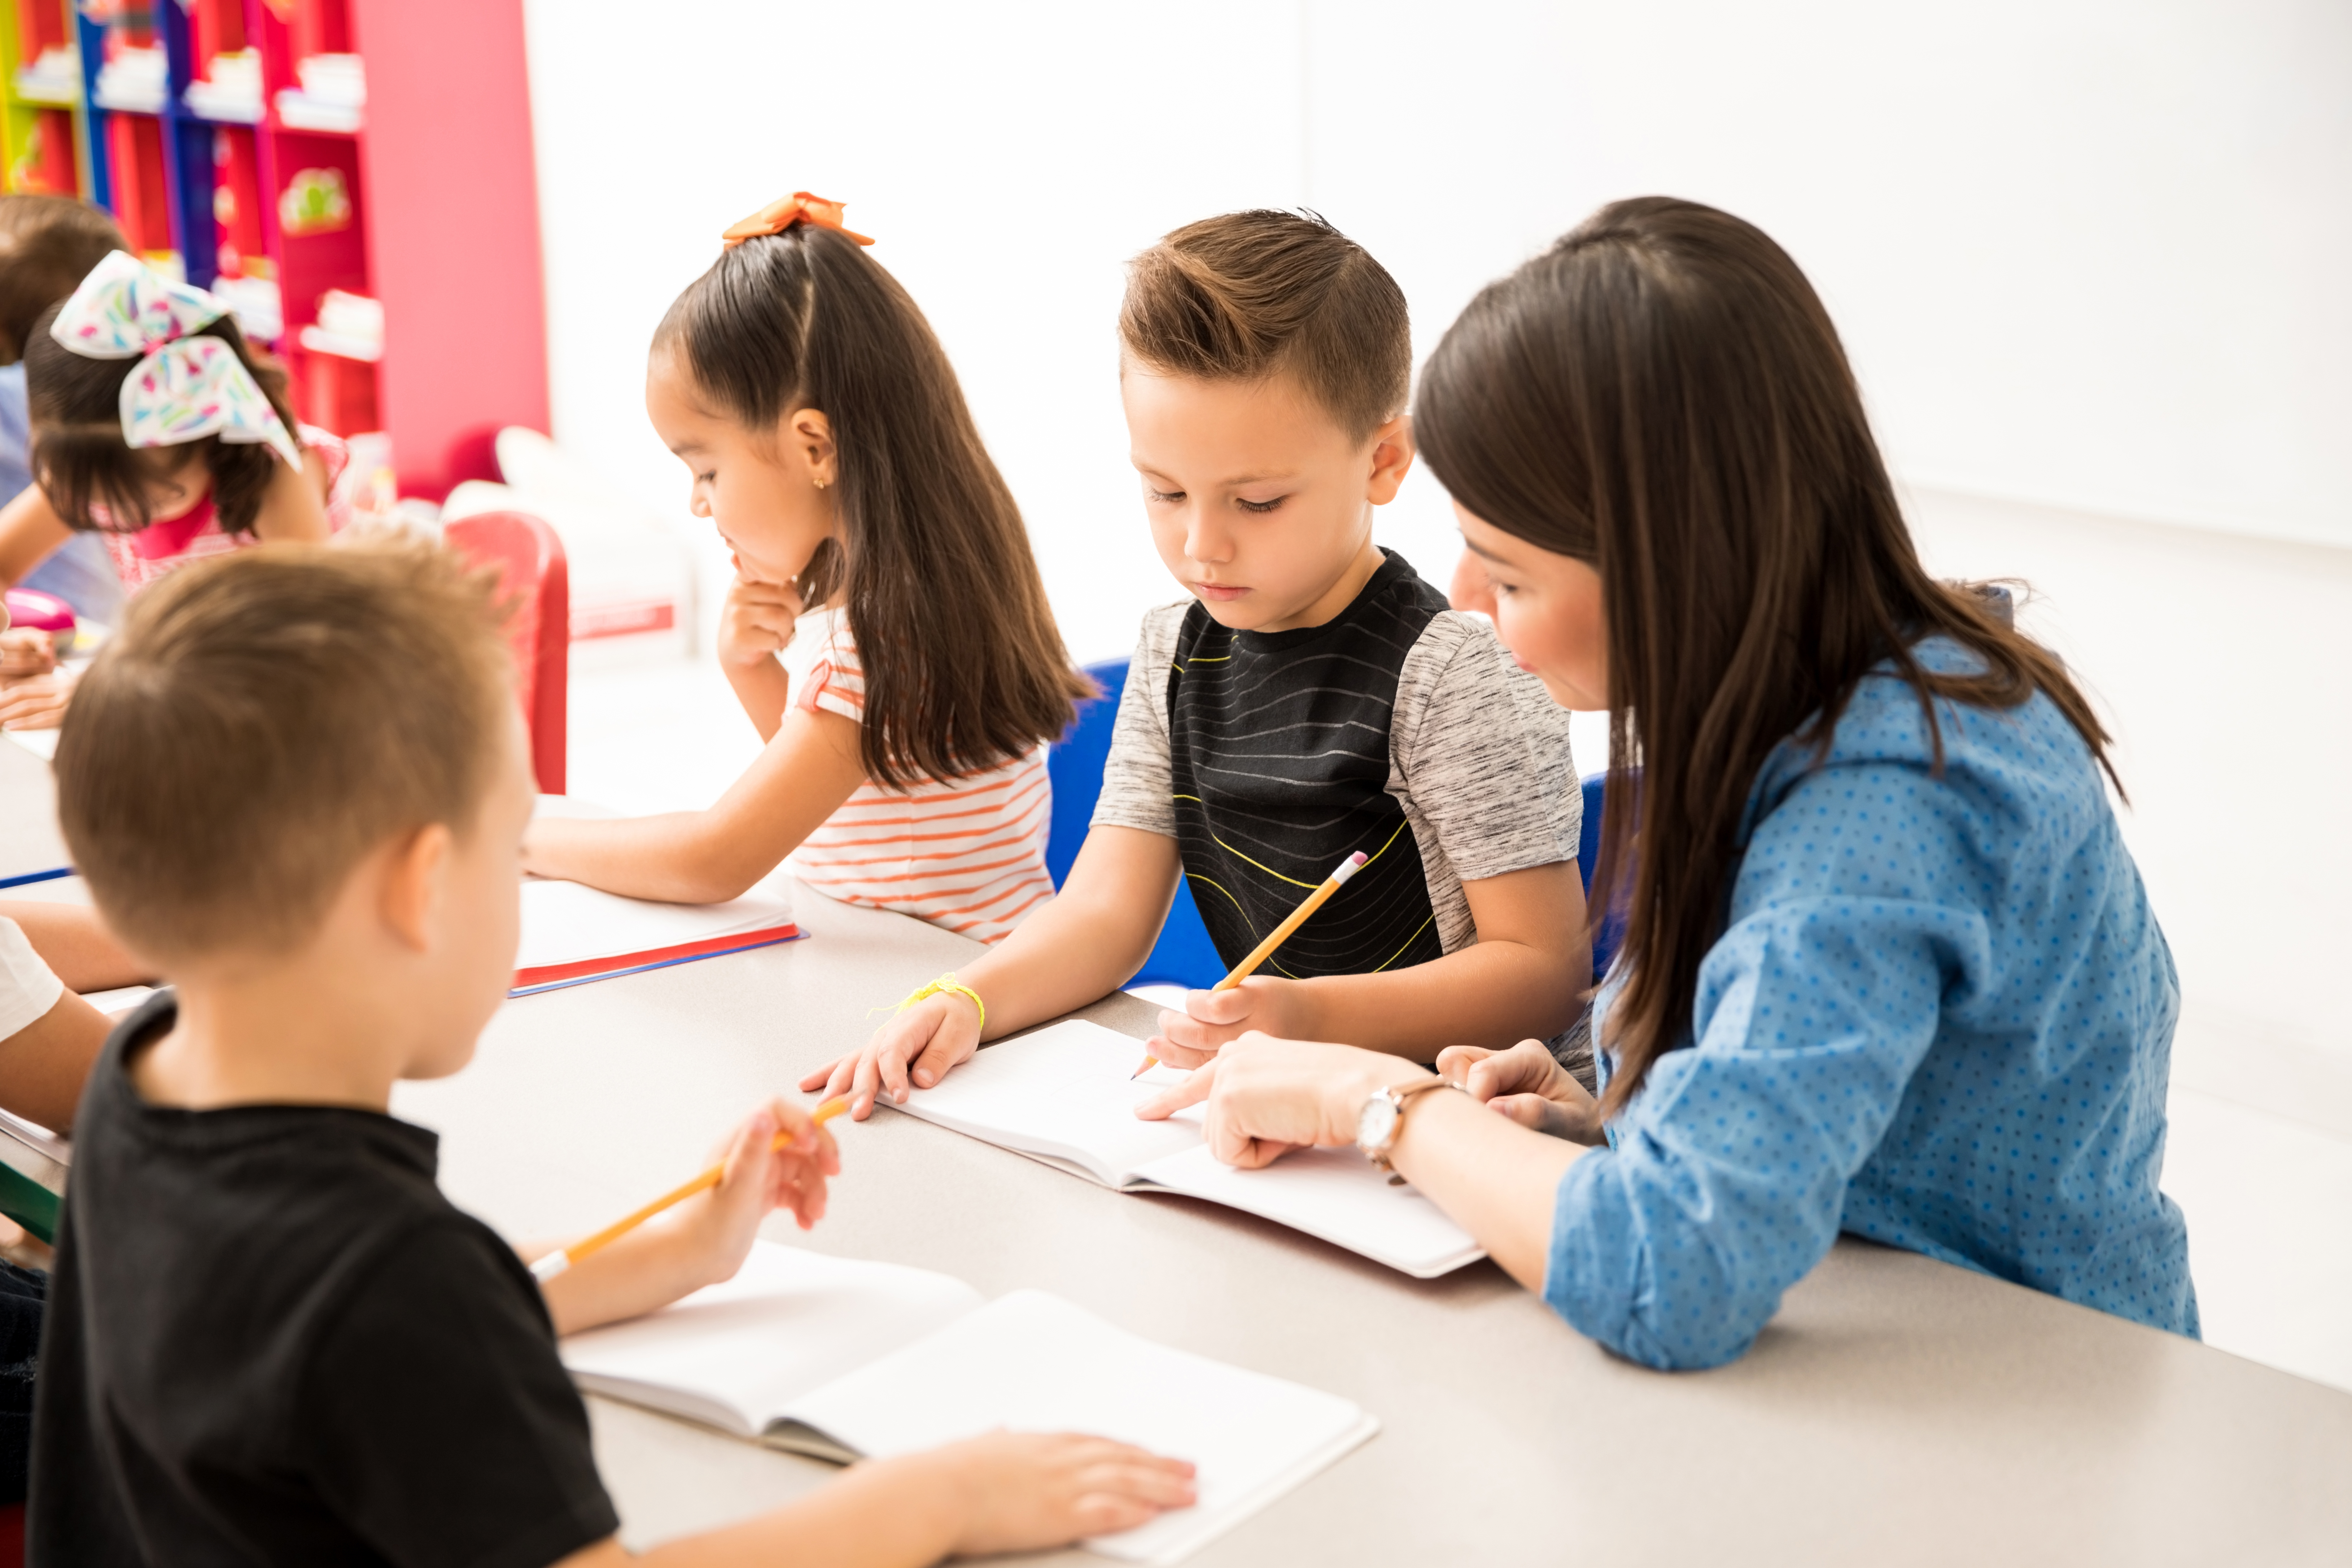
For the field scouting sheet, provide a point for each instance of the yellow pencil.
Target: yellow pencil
(563, 1258)
(1281, 933)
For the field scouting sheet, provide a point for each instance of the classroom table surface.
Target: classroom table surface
(1897, 1409)
(29, 840)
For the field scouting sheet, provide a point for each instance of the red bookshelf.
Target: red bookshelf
(356, 176)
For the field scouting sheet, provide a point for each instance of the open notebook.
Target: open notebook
(1063, 1096)
(573, 934)
(843, 1360)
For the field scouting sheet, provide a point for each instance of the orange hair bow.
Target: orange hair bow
(778, 216)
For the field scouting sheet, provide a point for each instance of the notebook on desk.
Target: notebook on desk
(843, 1360)
(1064, 1096)
(34, 1163)
(573, 934)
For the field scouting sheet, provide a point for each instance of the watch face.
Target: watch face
(1375, 1123)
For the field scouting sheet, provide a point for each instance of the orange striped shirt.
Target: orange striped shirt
(967, 856)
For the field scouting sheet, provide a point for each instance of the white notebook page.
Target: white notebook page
(1064, 1091)
(733, 1355)
(1034, 1363)
(1334, 1194)
(565, 923)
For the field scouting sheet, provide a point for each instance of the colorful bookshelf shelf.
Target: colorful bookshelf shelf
(312, 162)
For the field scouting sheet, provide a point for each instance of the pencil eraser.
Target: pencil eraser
(1350, 865)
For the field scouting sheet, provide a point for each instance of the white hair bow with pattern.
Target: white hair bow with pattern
(185, 387)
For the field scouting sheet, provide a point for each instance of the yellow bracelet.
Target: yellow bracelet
(944, 985)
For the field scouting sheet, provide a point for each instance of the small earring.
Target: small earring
(822, 483)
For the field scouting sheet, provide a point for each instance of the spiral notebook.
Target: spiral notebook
(842, 1360)
(1063, 1094)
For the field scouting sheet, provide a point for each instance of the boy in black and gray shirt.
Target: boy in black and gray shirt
(1312, 699)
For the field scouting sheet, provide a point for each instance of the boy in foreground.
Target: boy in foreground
(1311, 697)
(295, 782)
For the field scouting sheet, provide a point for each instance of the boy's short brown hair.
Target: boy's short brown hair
(1251, 294)
(48, 245)
(263, 721)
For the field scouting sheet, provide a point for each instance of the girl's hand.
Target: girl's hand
(716, 1232)
(916, 1048)
(38, 703)
(26, 651)
(1024, 1492)
(1268, 1004)
(1267, 1097)
(1526, 1084)
(756, 621)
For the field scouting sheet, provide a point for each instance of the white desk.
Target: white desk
(28, 819)
(1896, 1410)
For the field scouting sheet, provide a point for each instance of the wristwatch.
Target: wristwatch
(1383, 1117)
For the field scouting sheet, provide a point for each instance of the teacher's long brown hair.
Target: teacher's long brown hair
(1662, 395)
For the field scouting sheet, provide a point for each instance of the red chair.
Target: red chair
(539, 625)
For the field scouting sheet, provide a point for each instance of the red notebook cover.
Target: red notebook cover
(555, 977)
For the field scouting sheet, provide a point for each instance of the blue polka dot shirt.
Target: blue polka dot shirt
(1940, 1015)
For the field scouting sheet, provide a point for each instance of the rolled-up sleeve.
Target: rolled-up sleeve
(1729, 1170)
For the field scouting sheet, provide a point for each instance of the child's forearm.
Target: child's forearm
(73, 940)
(645, 1270)
(891, 1513)
(1493, 993)
(46, 1063)
(1089, 940)
(763, 689)
(676, 857)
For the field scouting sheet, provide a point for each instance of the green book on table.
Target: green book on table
(33, 1162)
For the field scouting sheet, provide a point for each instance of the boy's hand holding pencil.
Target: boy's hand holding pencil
(699, 1233)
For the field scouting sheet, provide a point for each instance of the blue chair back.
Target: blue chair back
(1587, 855)
(1184, 955)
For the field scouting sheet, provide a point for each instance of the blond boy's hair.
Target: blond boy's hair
(1255, 294)
(263, 721)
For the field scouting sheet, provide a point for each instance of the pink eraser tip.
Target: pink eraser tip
(1359, 859)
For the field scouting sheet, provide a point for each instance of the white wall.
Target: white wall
(2087, 254)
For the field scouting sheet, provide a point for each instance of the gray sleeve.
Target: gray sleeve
(1137, 789)
(1482, 752)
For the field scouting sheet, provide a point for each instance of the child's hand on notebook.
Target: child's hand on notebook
(1527, 1085)
(26, 651)
(916, 1048)
(36, 703)
(1211, 1019)
(1024, 1492)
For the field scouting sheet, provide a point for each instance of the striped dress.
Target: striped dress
(969, 856)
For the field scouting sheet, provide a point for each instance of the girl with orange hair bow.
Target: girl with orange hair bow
(887, 631)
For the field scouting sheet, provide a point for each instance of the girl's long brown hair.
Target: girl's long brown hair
(1662, 395)
(964, 667)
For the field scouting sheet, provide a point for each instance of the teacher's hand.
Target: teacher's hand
(1526, 1084)
(1267, 1097)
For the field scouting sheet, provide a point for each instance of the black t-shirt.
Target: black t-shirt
(271, 1340)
